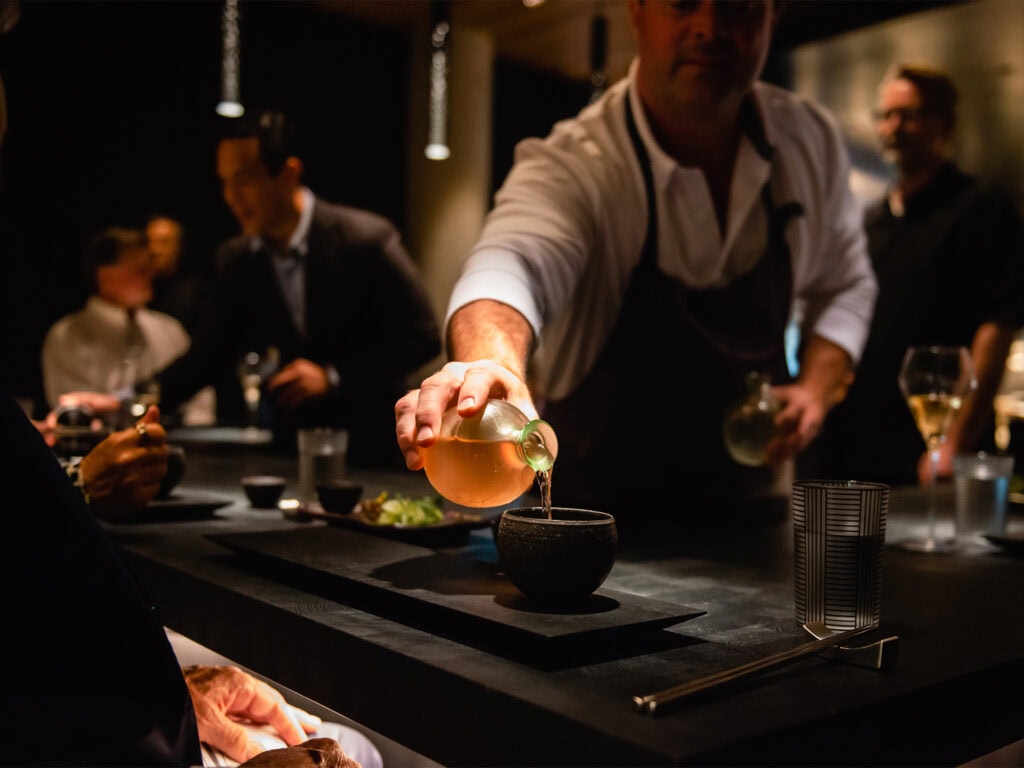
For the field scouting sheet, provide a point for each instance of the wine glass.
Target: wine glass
(935, 381)
(250, 377)
(253, 369)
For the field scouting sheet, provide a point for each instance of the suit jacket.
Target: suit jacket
(367, 314)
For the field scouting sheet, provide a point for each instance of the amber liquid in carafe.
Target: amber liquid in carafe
(477, 473)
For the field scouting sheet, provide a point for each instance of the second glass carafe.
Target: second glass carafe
(749, 425)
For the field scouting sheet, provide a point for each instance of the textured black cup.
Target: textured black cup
(263, 491)
(175, 471)
(339, 495)
(557, 562)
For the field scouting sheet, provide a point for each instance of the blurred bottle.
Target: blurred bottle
(490, 459)
(749, 425)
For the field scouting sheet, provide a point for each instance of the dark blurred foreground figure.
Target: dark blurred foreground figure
(948, 252)
(330, 287)
(643, 258)
(85, 646)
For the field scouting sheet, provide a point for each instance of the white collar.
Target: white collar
(108, 312)
(664, 166)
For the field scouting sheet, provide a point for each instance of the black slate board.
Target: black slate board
(456, 594)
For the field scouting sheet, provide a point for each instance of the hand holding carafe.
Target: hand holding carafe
(491, 458)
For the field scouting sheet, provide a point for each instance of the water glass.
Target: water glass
(982, 481)
(322, 455)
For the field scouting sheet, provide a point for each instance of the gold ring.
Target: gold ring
(143, 434)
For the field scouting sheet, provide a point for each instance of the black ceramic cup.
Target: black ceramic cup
(263, 491)
(557, 562)
(175, 471)
(339, 495)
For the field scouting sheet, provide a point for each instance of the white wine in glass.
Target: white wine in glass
(935, 381)
(253, 371)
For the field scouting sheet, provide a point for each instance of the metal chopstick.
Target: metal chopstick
(650, 703)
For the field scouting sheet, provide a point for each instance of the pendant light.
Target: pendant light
(230, 105)
(437, 105)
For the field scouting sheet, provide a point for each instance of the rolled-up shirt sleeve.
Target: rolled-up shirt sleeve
(500, 275)
(836, 281)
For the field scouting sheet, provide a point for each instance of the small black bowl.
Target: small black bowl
(175, 471)
(557, 562)
(339, 495)
(264, 490)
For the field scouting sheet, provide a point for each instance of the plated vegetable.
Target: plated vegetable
(403, 511)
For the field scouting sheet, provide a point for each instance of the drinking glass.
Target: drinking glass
(935, 382)
(253, 370)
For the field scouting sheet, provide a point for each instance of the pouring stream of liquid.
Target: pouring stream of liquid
(544, 479)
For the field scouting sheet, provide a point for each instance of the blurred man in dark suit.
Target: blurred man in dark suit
(330, 287)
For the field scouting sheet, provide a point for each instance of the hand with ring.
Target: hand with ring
(122, 474)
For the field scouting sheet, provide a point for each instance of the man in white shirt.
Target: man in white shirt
(636, 324)
(115, 343)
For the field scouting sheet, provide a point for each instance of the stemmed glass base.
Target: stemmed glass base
(931, 543)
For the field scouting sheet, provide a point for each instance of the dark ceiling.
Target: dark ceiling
(806, 21)
(555, 35)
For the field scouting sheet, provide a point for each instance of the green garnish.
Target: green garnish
(403, 511)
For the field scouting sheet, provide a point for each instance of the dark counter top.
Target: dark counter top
(952, 696)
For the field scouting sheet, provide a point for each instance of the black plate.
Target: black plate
(178, 507)
(1011, 542)
(454, 526)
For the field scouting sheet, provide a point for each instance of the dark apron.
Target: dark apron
(645, 425)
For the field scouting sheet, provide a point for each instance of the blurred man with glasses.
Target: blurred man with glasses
(948, 252)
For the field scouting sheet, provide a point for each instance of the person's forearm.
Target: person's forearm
(826, 369)
(989, 349)
(490, 330)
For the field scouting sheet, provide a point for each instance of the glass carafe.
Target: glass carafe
(749, 424)
(490, 459)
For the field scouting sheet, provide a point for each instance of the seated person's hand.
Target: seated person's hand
(297, 382)
(325, 753)
(122, 473)
(224, 695)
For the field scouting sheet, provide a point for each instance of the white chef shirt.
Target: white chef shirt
(569, 222)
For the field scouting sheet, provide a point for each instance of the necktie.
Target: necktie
(293, 282)
(134, 341)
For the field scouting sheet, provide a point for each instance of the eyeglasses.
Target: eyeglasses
(905, 114)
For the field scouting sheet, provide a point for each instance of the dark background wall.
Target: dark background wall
(111, 117)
